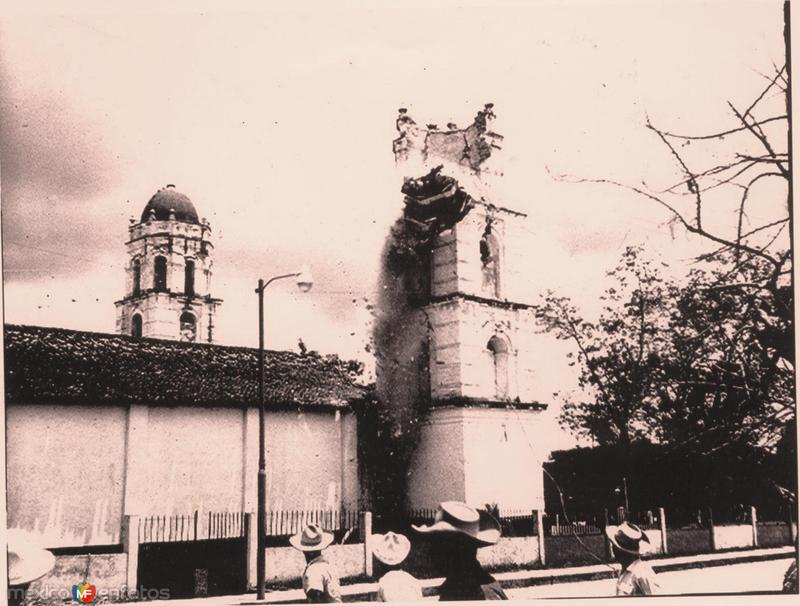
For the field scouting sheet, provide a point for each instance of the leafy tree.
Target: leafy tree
(681, 364)
(619, 356)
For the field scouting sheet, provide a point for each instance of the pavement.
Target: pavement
(754, 570)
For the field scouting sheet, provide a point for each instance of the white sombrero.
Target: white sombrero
(626, 537)
(390, 548)
(26, 560)
(456, 518)
(312, 538)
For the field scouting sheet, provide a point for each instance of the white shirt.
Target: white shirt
(638, 579)
(319, 576)
(399, 586)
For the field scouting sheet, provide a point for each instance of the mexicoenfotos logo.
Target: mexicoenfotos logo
(84, 593)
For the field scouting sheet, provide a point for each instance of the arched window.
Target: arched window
(137, 277)
(499, 349)
(136, 326)
(490, 264)
(188, 278)
(188, 327)
(160, 274)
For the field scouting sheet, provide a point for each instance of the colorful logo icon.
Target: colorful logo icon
(83, 593)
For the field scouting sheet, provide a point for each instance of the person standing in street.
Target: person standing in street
(457, 532)
(320, 581)
(637, 578)
(395, 584)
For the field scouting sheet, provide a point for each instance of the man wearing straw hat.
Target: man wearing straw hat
(26, 563)
(457, 532)
(637, 578)
(396, 585)
(320, 581)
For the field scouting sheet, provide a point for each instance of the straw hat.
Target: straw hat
(626, 537)
(311, 538)
(26, 561)
(390, 548)
(456, 518)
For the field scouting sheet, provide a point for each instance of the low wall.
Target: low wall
(655, 546)
(106, 571)
(509, 551)
(522, 551)
(774, 534)
(688, 541)
(568, 551)
(287, 563)
(731, 537)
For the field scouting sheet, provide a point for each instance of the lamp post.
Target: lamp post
(304, 283)
(623, 493)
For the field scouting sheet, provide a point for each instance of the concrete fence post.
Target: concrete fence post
(130, 545)
(606, 542)
(754, 524)
(711, 529)
(662, 518)
(366, 528)
(251, 546)
(540, 533)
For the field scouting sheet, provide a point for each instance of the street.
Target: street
(736, 578)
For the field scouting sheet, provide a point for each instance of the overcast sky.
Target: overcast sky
(278, 124)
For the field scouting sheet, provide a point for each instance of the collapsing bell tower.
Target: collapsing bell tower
(477, 439)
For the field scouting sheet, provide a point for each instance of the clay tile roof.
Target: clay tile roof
(59, 366)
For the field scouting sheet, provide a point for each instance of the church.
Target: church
(159, 421)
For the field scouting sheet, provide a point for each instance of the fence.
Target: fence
(222, 544)
(343, 523)
(190, 527)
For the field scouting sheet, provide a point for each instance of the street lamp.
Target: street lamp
(304, 283)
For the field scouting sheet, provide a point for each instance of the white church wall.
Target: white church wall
(65, 471)
(481, 456)
(438, 460)
(503, 458)
(104, 462)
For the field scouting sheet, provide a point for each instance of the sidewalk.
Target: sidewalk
(360, 592)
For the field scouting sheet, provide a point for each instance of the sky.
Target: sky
(278, 121)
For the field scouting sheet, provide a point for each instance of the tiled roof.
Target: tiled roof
(55, 365)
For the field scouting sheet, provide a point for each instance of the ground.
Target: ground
(736, 578)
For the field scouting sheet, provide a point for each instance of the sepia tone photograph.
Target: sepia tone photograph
(398, 301)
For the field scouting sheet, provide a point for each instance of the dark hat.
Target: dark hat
(456, 518)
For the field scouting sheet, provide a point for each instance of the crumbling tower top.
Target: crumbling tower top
(469, 147)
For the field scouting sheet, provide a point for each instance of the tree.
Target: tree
(618, 356)
(740, 205)
(726, 377)
(721, 387)
(681, 364)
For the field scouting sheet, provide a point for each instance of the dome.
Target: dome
(168, 199)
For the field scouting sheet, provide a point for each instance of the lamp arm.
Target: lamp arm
(275, 278)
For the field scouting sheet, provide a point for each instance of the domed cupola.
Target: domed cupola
(168, 274)
(168, 203)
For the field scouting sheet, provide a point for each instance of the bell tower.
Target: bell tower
(478, 441)
(168, 274)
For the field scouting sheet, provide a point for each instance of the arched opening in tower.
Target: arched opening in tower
(160, 274)
(498, 348)
(188, 327)
(137, 277)
(188, 279)
(136, 326)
